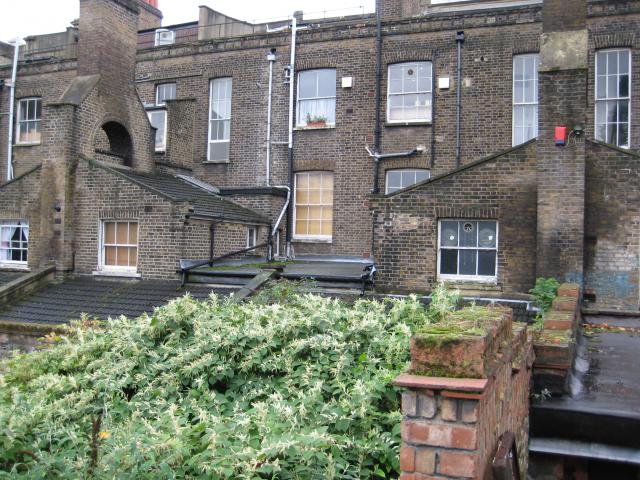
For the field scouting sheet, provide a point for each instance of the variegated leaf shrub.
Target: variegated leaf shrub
(296, 389)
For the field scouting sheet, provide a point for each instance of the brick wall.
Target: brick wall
(502, 188)
(20, 199)
(612, 226)
(451, 426)
(165, 236)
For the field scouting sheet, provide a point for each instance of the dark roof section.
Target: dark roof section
(61, 302)
(206, 205)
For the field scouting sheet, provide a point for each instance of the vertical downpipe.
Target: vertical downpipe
(432, 162)
(12, 101)
(378, 131)
(292, 79)
(459, 41)
(271, 57)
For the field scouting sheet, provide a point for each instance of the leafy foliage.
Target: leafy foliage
(444, 302)
(293, 390)
(544, 292)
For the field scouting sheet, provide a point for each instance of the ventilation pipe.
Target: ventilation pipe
(12, 101)
(459, 41)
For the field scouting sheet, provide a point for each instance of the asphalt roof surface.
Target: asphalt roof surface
(205, 203)
(65, 301)
(604, 404)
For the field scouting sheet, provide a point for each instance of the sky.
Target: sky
(18, 18)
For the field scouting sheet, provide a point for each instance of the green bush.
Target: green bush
(544, 292)
(214, 389)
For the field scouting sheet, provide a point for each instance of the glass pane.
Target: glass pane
(612, 111)
(121, 233)
(468, 262)
(623, 62)
(302, 180)
(110, 233)
(38, 112)
(315, 197)
(394, 179)
(612, 133)
(315, 213)
(301, 227)
(314, 227)
(327, 83)
(219, 151)
(468, 234)
(327, 213)
(327, 228)
(133, 257)
(623, 85)
(421, 175)
(612, 87)
(109, 255)
(133, 233)
(327, 180)
(449, 262)
(122, 256)
(487, 234)
(612, 63)
(486, 263)
(623, 111)
(307, 84)
(623, 135)
(449, 234)
(601, 63)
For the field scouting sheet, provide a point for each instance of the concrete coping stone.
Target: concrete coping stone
(418, 382)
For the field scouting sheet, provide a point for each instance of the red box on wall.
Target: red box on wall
(561, 136)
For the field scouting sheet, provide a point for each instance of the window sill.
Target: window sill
(27, 144)
(326, 127)
(312, 240)
(116, 273)
(468, 281)
(215, 162)
(409, 124)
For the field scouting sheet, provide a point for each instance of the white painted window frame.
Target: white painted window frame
(404, 170)
(101, 250)
(403, 93)
(467, 278)
(16, 223)
(318, 238)
(211, 100)
(302, 122)
(533, 105)
(160, 87)
(163, 146)
(597, 100)
(252, 236)
(158, 42)
(19, 123)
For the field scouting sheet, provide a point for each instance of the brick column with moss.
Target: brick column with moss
(468, 385)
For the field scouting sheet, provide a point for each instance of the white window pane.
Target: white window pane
(623, 62)
(307, 84)
(327, 83)
(449, 233)
(612, 63)
(219, 151)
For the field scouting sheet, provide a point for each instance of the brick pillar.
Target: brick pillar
(451, 426)
(563, 81)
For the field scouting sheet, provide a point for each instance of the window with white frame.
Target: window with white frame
(165, 91)
(219, 118)
(29, 117)
(403, 178)
(14, 241)
(613, 87)
(468, 250)
(252, 236)
(525, 98)
(158, 119)
(313, 200)
(317, 96)
(164, 37)
(119, 245)
(409, 93)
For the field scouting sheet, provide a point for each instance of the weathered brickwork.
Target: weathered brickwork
(613, 213)
(539, 200)
(501, 188)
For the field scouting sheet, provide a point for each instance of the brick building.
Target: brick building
(421, 136)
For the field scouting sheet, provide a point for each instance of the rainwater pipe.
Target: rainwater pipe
(459, 42)
(378, 129)
(292, 76)
(271, 57)
(277, 224)
(12, 101)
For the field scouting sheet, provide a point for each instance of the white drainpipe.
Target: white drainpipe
(271, 57)
(12, 101)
